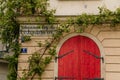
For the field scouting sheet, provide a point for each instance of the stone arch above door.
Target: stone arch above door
(85, 35)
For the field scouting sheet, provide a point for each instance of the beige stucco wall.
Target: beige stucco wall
(109, 40)
(76, 7)
(32, 47)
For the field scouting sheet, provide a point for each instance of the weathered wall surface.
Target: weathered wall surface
(32, 47)
(76, 7)
(109, 39)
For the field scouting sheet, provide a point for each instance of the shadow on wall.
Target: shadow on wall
(3, 70)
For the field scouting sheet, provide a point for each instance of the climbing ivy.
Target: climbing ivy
(10, 34)
(105, 16)
(9, 29)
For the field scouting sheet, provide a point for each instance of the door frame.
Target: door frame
(96, 40)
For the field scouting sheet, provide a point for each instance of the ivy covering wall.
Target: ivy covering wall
(9, 29)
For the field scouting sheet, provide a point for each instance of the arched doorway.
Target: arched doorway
(79, 59)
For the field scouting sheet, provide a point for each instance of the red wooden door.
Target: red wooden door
(79, 65)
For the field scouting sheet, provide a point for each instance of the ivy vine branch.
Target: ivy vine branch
(37, 63)
(9, 26)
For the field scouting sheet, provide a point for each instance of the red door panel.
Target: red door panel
(78, 64)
